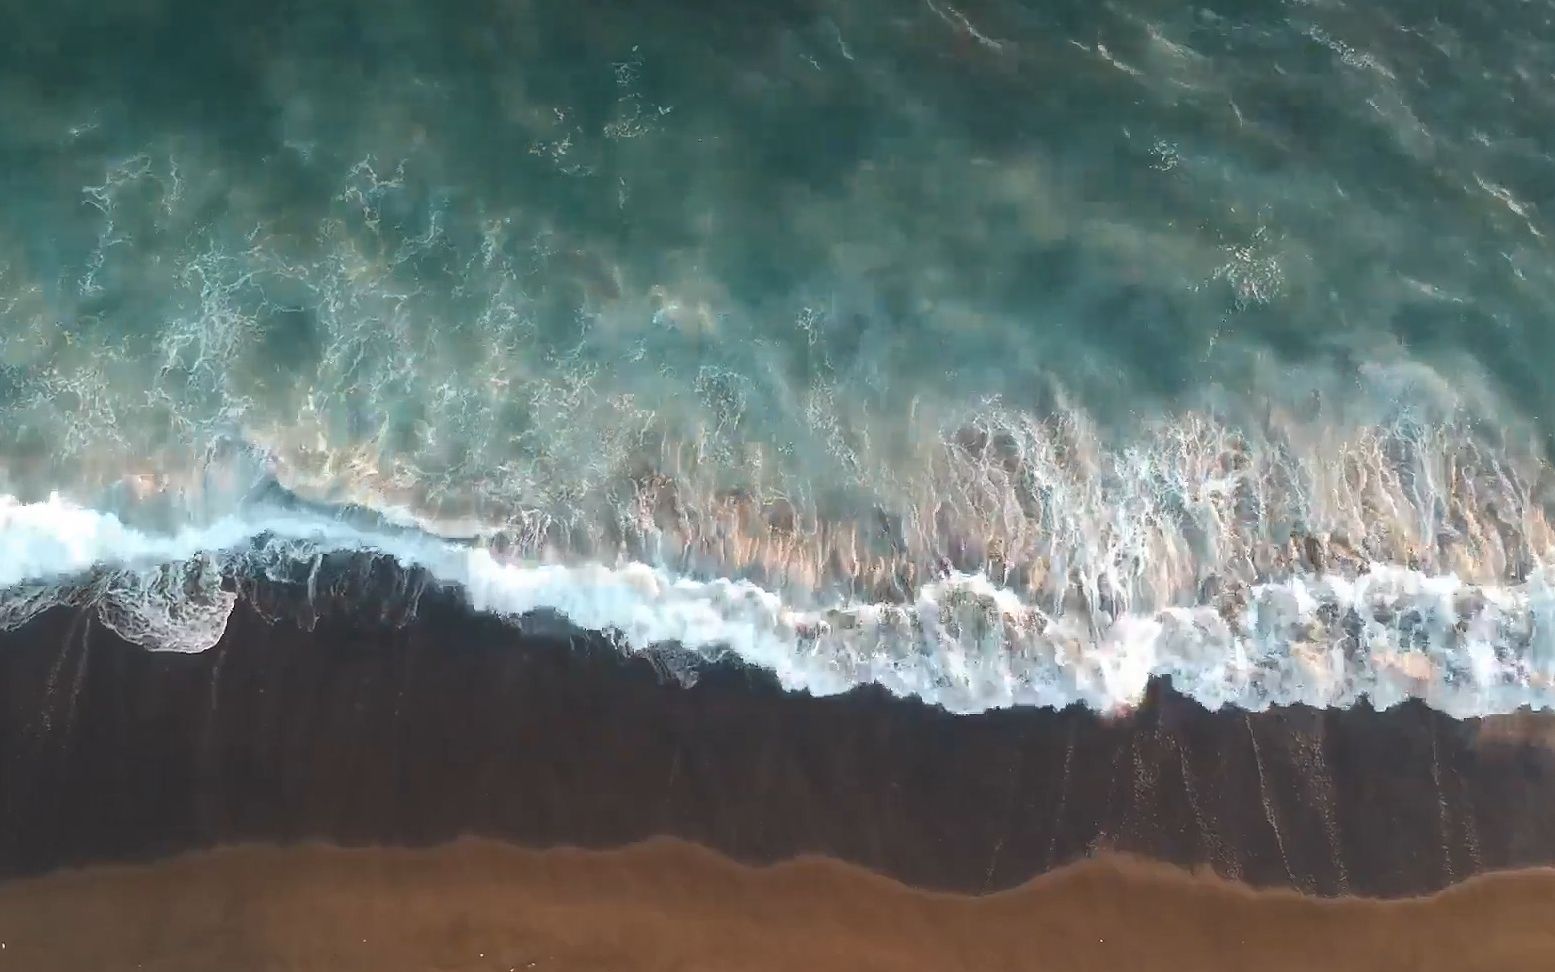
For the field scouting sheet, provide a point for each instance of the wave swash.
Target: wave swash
(1038, 569)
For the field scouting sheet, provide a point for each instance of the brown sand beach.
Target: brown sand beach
(664, 904)
(354, 731)
(185, 812)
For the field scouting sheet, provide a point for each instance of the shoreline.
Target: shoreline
(661, 904)
(361, 725)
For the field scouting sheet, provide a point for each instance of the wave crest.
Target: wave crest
(962, 641)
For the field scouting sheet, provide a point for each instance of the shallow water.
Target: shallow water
(998, 353)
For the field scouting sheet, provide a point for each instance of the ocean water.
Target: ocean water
(996, 353)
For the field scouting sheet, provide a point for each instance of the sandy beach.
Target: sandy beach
(350, 729)
(176, 812)
(664, 904)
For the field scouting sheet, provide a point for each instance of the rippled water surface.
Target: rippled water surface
(1000, 353)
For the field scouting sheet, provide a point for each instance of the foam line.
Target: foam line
(1388, 633)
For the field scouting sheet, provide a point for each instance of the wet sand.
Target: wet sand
(370, 726)
(146, 798)
(481, 905)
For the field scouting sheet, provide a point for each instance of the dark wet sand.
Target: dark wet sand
(1024, 839)
(480, 905)
(352, 728)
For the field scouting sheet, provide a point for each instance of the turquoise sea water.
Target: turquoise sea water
(1001, 353)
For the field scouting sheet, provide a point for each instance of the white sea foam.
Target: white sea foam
(1324, 639)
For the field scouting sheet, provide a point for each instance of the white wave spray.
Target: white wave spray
(962, 642)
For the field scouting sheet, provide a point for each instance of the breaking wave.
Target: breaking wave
(1397, 563)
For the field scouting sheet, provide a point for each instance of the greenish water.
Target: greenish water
(1114, 309)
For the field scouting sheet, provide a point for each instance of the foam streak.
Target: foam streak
(1387, 633)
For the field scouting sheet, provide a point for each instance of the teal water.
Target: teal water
(965, 343)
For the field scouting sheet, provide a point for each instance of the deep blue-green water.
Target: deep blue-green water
(1000, 353)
